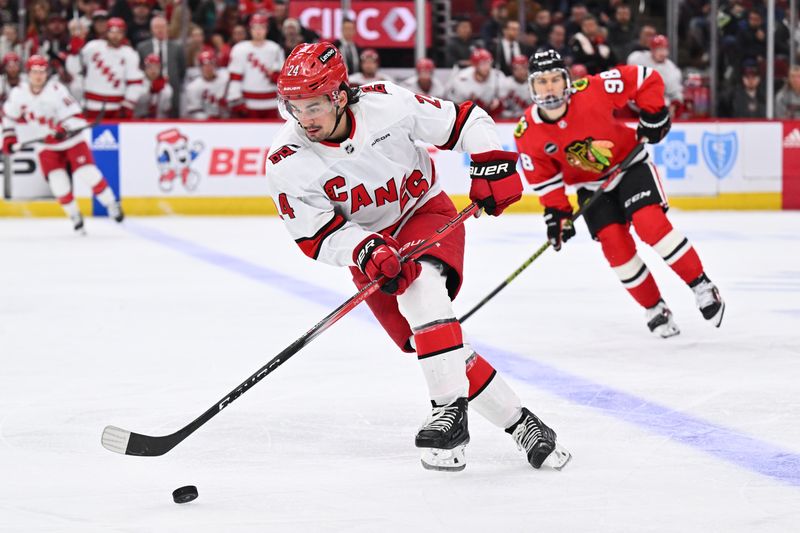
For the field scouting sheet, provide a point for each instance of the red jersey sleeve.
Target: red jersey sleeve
(641, 84)
(539, 169)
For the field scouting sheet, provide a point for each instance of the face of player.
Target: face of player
(483, 69)
(115, 36)
(12, 68)
(794, 80)
(550, 86)
(369, 67)
(258, 32)
(208, 70)
(152, 71)
(317, 116)
(37, 78)
(659, 54)
(520, 72)
(424, 75)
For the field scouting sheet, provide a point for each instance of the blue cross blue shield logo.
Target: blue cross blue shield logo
(719, 152)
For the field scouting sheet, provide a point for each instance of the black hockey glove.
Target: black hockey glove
(654, 126)
(559, 226)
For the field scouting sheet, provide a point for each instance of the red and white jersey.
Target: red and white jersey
(6, 87)
(581, 145)
(254, 72)
(436, 89)
(466, 87)
(360, 79)
(34, 116)
(153, 105)
(670, 73)
(332, 196)
(204, 98)
(515, 97)
(112, 75)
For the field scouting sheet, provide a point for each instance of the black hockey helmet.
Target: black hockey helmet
(543, 62)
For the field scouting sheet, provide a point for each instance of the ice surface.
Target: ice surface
(146, 326)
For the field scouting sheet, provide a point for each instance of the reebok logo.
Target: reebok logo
(636, 197)
(792, 140)
(105, 141)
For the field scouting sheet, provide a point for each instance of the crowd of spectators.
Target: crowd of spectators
(179, 42)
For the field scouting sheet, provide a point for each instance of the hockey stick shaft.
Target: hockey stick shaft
(607, 179)
(122, 441)
(70, 134)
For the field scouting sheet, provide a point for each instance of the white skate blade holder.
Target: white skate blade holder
(558, 458)
(445, 460)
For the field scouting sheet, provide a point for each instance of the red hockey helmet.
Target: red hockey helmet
(207, 57)
(370, 53)
(314, 69)
(116, 23)
(258, 18)
(425, 64)
(519, 59)
(659, 41)
(479, 55)
(152, 59)
(36, 62)
(11, 57)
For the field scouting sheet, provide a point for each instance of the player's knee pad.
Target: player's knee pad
(651, 224)
(426, 300)
(90, 175)
(59, 183)
(617, 244)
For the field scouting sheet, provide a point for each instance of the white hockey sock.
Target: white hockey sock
(62, 190)
(90, 175)
(489, 394)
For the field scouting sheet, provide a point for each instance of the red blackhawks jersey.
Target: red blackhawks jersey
(254, 70)
(206, 98)
(580, 146)
(34, 116)
(112, 75)
(332, 196)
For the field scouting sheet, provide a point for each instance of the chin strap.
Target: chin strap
(338, 119)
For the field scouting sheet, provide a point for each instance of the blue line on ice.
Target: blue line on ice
(737, 448)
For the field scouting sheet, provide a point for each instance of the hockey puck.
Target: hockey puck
(184, 494)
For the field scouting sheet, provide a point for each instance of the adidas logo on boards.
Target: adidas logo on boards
(105, 141)
(792, 140)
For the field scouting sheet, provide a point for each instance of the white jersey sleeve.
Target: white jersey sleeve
(236, 70)
(134, 76)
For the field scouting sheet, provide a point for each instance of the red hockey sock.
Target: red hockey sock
(655, 229)
(479, 373)
(620, 251)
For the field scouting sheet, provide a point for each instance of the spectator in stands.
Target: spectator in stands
(577, 71)
(460, 47)
(347, 46)
(589, 48)
(541, 25)
(98, 28)
(646, 34)
(557, 40)
(78, 32)
(139, 26)
(227, 21)
(280, 12)
(491, 29)
(172, 55)
(292, 35)
(37, 18)
(747, 99)
(205, 13)
(370, 62)
(222, 50)
(53, 43)
(620, 31)
(12, 74)
(751, 41)
(10, 41)
(195, 45)
(156, 98)
(205, 96)
(8, 12)
(238, 35)
(787, 101)
(577, 14)
(509, 46)
(424, 81)
(658, 59)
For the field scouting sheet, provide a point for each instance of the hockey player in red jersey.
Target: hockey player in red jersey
(354, 190)
(44, 108)
(569, 137)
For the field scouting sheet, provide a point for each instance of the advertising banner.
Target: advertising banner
(378, 24)
(791, 164)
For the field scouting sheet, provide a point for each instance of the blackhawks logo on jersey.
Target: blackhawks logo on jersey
(580, 84)
(591, 155)
(522, 125)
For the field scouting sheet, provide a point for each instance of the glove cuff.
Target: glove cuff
(654, 120)
(363, 252)
(493, 165)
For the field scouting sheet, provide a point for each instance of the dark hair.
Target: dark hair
(353, 93)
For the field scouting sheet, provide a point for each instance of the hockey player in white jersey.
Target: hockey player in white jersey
(44, 109)
(205, 95)
(156, 98)
(12, 75)
(354, 190)
(370, 69)
(515, 96)
(254, 69)
(424, 82)
(479, 83)
(112, 75)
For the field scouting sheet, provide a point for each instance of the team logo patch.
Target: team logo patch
(174, 157)
(590, 154)
(580, 84)
(719, 151)
(325, 56)
(519, 130)
(550, 148)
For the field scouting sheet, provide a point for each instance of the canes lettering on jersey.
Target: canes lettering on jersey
(253, 73)
(206, 98)
(113, 77)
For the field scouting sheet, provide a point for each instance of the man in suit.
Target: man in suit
(173, 58)
(348, 48)
(509, 46)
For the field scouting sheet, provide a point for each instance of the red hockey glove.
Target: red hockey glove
(377, 256)
(125, 112)
(495, 182)
(654, 126)
(8, 144)
(559, 226)
(239, 111)
(157, 85)
(57, 136)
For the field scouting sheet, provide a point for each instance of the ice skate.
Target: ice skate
(444, 436)
(659, 320)
(77, 224)
(538, 442)
(115, 212)
(708, 299)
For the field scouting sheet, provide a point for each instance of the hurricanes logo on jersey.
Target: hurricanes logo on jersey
(591, 155)
(522, 125)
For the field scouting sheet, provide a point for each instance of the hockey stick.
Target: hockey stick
(607, 178)
(126, 442)
(70, 134)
